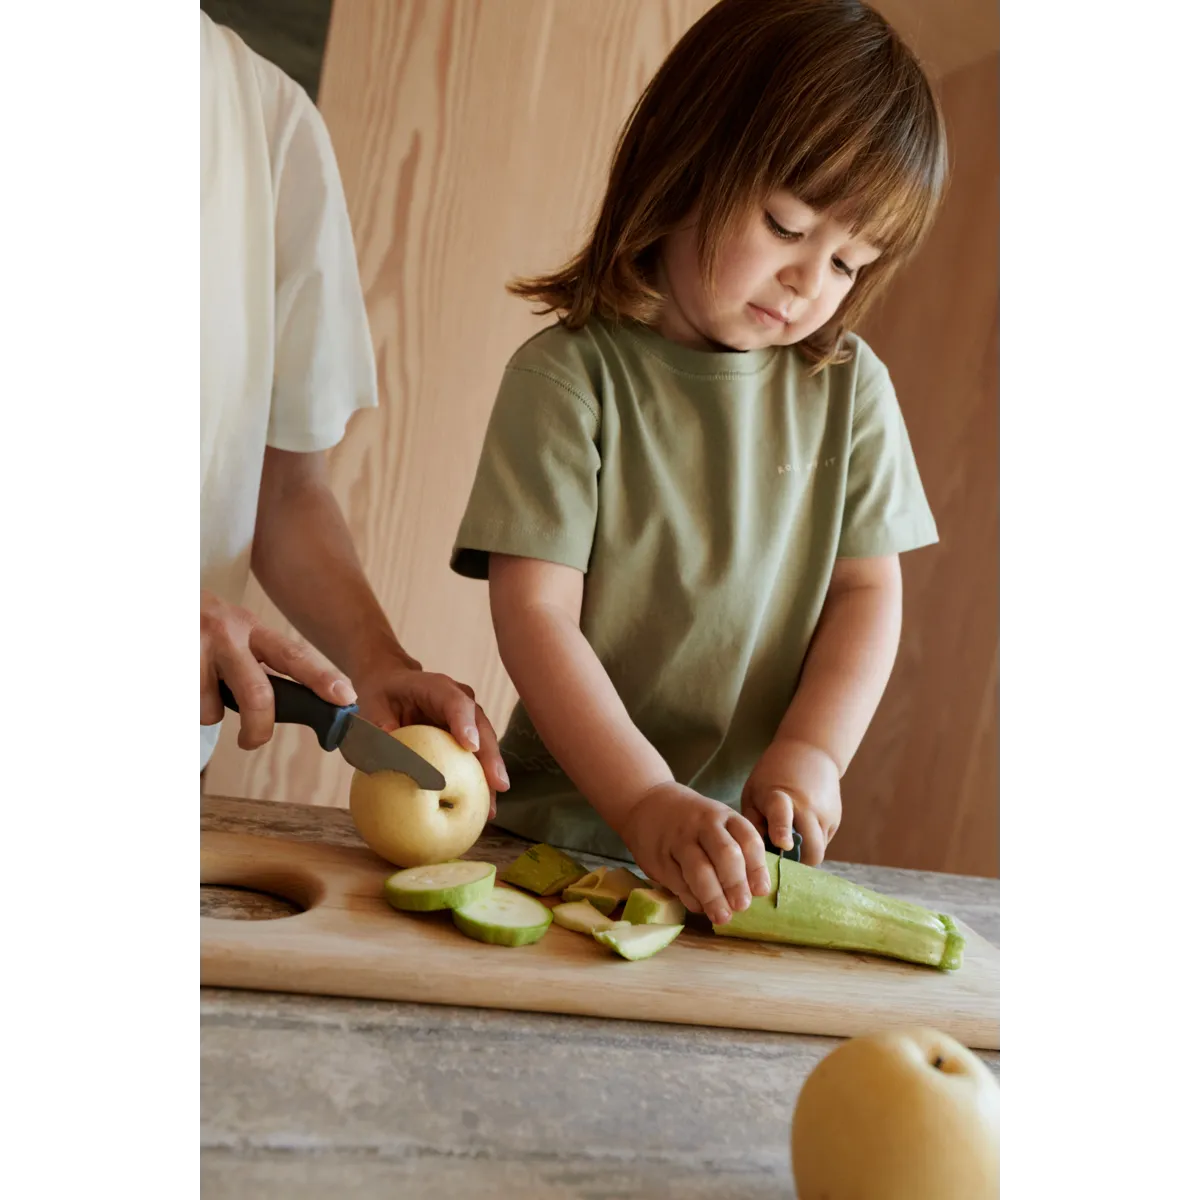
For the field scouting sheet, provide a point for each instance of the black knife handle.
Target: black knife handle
(297, 705)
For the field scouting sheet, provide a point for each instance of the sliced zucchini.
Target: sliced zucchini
(504, 917)
(442, 885)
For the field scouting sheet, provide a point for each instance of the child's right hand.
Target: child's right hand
(705, 852)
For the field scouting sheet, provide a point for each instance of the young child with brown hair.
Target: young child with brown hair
(695, 486)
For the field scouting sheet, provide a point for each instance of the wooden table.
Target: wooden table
(305, 1096)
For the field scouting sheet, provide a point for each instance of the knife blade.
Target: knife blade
(362, 745)
(793, 854)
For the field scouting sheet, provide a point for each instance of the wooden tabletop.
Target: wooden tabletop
(305, 1096)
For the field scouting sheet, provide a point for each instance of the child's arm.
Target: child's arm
(701, 849)
(796, 784)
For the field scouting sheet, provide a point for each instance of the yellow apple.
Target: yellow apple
(410, 826)
(906, 1114)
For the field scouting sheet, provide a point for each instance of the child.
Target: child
(695, 487)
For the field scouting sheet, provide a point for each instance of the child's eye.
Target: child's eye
(848, 271)
(788, 235)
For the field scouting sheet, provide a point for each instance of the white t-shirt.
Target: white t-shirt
(285, 349)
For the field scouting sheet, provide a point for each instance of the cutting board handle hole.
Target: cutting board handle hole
(231, 902)
(269, 889)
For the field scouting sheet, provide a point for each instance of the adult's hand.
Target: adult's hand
(234, 647)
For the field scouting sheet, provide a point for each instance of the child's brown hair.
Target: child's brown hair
(817, 97)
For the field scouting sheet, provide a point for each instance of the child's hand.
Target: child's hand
(700, 849)
(795, 786)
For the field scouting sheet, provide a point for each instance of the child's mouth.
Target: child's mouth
(767, 316)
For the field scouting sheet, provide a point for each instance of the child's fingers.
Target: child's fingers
(755, 854)
(701, 880)
(779, 811)
(752, 813)
(812, 851)
(729, 862)
(672, 879)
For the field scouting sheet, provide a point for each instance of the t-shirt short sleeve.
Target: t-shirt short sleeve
(886, 511)
(324, 361)
(535, 491)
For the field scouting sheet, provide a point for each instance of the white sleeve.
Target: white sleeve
(324, 360)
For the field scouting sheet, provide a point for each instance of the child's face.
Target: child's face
(780, 276)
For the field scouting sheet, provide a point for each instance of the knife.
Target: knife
(363, 745)
(793, 853)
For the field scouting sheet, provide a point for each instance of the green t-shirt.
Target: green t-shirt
(706, 495)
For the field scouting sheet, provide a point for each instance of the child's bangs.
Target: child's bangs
(883, 179)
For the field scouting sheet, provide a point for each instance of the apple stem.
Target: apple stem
(937, 1063)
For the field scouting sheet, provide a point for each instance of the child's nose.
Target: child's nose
(804, 278)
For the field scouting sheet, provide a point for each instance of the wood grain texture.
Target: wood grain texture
(946, 35)
(473, 139)
(309, 1096)
(975, 899)
(349, 942)
(923, 790)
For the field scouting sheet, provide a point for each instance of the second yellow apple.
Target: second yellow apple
(906, 1114)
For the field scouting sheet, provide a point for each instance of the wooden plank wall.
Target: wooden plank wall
(473, 139)
(923, 790)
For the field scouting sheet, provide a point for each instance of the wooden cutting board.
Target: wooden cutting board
(349, 942)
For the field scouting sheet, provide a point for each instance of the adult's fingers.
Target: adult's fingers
(252, 690)
(447, 704)
(489, 754)
(471, 729)
(212, 707)
(301, 662)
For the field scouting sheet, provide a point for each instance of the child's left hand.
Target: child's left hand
(795, 786)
